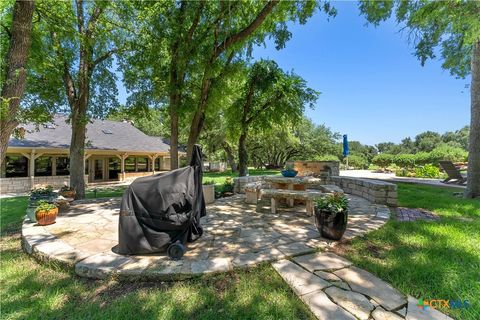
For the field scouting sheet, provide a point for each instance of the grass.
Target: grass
(32, 290)
(220, 177)
(429, 260)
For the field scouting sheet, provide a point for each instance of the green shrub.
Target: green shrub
(446, 152)
(326, 157)
(423, 158)
(427, 171)
(402, 172)
(383, 160)
(405, 160)
(357, 161)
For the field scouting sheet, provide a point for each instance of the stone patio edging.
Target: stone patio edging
(281, 240)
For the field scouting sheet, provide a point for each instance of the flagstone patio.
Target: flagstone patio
(236, 234)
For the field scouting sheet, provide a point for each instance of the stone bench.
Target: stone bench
(308, 196)
(253, 191)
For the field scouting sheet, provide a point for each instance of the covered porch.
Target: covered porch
(28, 168)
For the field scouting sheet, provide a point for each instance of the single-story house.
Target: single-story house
(115, 151)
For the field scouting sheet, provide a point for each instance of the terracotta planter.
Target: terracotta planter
(68, 194)
(44, 217)
(209, 193)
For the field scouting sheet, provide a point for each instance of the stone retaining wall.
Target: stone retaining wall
(316, 168)
(375, 191)
(378, 192)
(25, 184)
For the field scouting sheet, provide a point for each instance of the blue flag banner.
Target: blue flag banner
(345, 145)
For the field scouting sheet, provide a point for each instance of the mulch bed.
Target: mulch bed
(409, 214)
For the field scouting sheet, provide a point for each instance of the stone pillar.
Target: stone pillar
(54, 166)
(31, 169)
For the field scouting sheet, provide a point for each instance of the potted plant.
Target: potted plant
(42, 193)
(289, 171)
(46, 213)
(37, 195)
(209, 191)
(67, 191)
(331, 215)
(227, 188)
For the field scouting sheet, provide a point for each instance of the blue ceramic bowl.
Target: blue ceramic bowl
(289, 173)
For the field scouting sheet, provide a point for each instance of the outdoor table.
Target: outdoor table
(295, 183)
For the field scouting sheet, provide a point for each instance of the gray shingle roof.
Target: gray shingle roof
(101, 135)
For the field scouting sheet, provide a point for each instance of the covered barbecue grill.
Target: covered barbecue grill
(162, 212)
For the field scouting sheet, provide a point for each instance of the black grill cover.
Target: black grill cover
(161, 209)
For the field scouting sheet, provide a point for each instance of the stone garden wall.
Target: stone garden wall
(25, 184)
(378, 192)
(316, 168)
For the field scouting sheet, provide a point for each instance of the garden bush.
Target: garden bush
(383, 160)
(427, 171)
(423, 158)
(326, 157)
(405, 160)
(357, 161)
(445, 152)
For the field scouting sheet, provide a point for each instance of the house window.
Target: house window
(16, 166)
(63, 166)
(130, 164)
(142, 164)
(43, 166)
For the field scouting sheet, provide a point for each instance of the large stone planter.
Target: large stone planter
(209, 193)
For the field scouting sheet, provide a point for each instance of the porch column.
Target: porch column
(153, 158)
(54, 166)
(136, 164)
(85, 158)
(31, 169)
(122, 166)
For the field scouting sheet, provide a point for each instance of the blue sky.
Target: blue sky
(372, 87)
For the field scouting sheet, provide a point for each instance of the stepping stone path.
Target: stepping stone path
(409, 214)
(315, 279)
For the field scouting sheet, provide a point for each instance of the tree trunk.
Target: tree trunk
(16, 75)
(173, 136)
(77, 152)
(199, 117)
(230, 156)
(242, 155)
(473, 182)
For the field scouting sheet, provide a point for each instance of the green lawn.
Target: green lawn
(220, 177)
(29, 290)
(429, 260)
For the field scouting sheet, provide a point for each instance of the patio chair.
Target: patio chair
(452, 172)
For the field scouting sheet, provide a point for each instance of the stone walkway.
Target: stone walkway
(334, 289)
(408, 214)
(236, 234)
